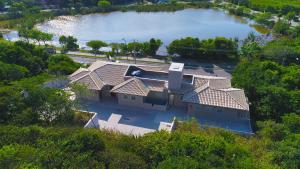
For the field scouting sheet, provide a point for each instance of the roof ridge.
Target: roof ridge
(79, 70)
(98, 77)
(121, 84)
(94, 80)
(204, 87)
(138, 81)
(79, 78)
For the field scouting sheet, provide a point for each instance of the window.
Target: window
(125, 97)
(132, 97)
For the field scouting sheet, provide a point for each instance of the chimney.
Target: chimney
(175, 76)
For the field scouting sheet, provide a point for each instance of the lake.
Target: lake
(134, 26)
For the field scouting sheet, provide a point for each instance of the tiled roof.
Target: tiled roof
(217, 97)
(78, 73)
(132, 86)
(111, 74)
(207, 90)
(90, 81)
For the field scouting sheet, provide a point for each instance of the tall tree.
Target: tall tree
(96, 45)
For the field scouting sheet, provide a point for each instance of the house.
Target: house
(155, 88)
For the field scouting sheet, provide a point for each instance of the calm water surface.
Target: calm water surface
(130, 26)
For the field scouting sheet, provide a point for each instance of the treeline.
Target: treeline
(272, 89)
(187, 147)
(21, 59)
(219, 48)
(24, 68)
(49, 8)
(273, 6)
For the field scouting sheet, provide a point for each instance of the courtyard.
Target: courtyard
(138, 121)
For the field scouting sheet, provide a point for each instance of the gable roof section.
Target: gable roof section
(91, 81)
(78, 73)
(132, 86)
(111, 74)
(214, 97)
(216, 92)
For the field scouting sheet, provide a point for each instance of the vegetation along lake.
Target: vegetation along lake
(134, 26)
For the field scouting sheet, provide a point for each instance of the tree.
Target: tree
(96, 45)
(274, 92)
(292, 122)
(11, 104)
(62, 65)
(290, 16)
(39, 36)
(272, 130)
(263, 18)
(69, 43)
(284, 51)
(218, 48)
(11, 72)
(51, 105)
(187, 47)
(154, 45)
(104, 4)
(281, 27)
(250, 50)
(82, 93)
(16, 10)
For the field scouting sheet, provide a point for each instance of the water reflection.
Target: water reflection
(167, 26)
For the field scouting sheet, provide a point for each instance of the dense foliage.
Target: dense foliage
(31, 57)
(188, 147)
(275, 6)
(219, 48)
(272, 89)
(62, 65)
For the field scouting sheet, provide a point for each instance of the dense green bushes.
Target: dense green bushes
(219, 48)
(22, 59)
(274, 6)
(62, 65)
(31, 57)
(272, 89)
(11, 72)
(187, 147)
(28, 102)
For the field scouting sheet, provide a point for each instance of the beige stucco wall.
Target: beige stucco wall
(93, 95)
(178, 100)
(105, 91)
(159, 95)
(137, 102)
(218, 112)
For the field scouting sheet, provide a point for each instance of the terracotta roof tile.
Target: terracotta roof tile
(111, 74)
(132, 86)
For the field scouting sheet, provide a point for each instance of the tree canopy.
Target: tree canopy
(218, 48)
